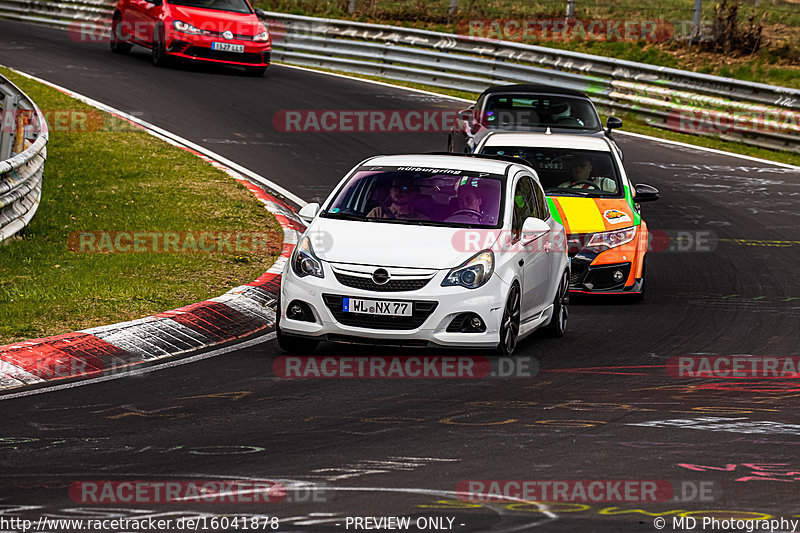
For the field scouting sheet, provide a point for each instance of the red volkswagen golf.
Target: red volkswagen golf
(219, 31)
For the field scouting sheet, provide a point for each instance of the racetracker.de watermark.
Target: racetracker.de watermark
(472, 241)
(563, 30)
(107, 492)
(735, 366)
(172, 242)
(713, 122)
(65, 120)
(199, 522)
(404, 367)
(363, 121)
(100, 32)
(668, 241)
(587, 490)
(56, 368)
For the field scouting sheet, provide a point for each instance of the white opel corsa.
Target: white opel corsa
(414, 250)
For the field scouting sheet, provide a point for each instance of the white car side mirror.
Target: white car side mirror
(308, 212)
(533, 228)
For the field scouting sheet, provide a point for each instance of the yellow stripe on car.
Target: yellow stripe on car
(582, 214)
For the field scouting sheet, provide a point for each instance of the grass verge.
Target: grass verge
(126, 181)
(632, 123)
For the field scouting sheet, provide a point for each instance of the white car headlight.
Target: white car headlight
(600, 242)
(304, 262)
(185, 27)
(472, 274)
(262, 37)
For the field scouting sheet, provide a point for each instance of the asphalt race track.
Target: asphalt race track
(602, 406)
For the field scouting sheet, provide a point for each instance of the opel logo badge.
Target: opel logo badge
(380, 276)
(228, 34)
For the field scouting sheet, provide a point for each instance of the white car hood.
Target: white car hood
(387, 244)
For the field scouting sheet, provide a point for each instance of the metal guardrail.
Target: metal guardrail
(69, 14)
(752, 113)
(23, 141)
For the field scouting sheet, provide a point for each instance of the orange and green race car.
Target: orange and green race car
(591, 195)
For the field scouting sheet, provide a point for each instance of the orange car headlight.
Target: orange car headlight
(600, 242)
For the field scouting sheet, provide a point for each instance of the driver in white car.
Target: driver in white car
(469, 201)
(469, 198)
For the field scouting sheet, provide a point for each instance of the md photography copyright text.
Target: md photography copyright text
(706, 523)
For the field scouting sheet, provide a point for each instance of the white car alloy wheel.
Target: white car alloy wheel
(558, 323)
(509, 326)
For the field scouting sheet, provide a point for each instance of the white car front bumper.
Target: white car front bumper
(323, 296)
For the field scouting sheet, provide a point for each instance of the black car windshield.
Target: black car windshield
(569, 172)
(422, 196)
(530, 111)
(235, 6)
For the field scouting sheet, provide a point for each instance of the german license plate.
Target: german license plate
(376, 307)
(228, 47)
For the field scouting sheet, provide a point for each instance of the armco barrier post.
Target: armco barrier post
(21, 163)
(19, 139)
(8, 108)
(570, 9)
(696, 18)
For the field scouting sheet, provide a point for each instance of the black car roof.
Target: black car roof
(529, 88)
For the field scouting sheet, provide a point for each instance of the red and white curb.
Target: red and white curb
(240, 312)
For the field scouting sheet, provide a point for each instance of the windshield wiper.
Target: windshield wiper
(439, 223)
(566, 192)
(399, 221)
(343, 216)
(413, 222)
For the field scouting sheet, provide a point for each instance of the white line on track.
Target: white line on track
(622, 132)
(140, 371)
(298, 484)
(181, 142)
(293, 484)
(173, 138)
(164, 134)
(710, 150)
(168, 136)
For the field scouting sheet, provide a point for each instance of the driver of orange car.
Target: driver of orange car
(582, 177)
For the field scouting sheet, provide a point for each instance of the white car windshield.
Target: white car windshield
(408, 195)
(568, 172)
